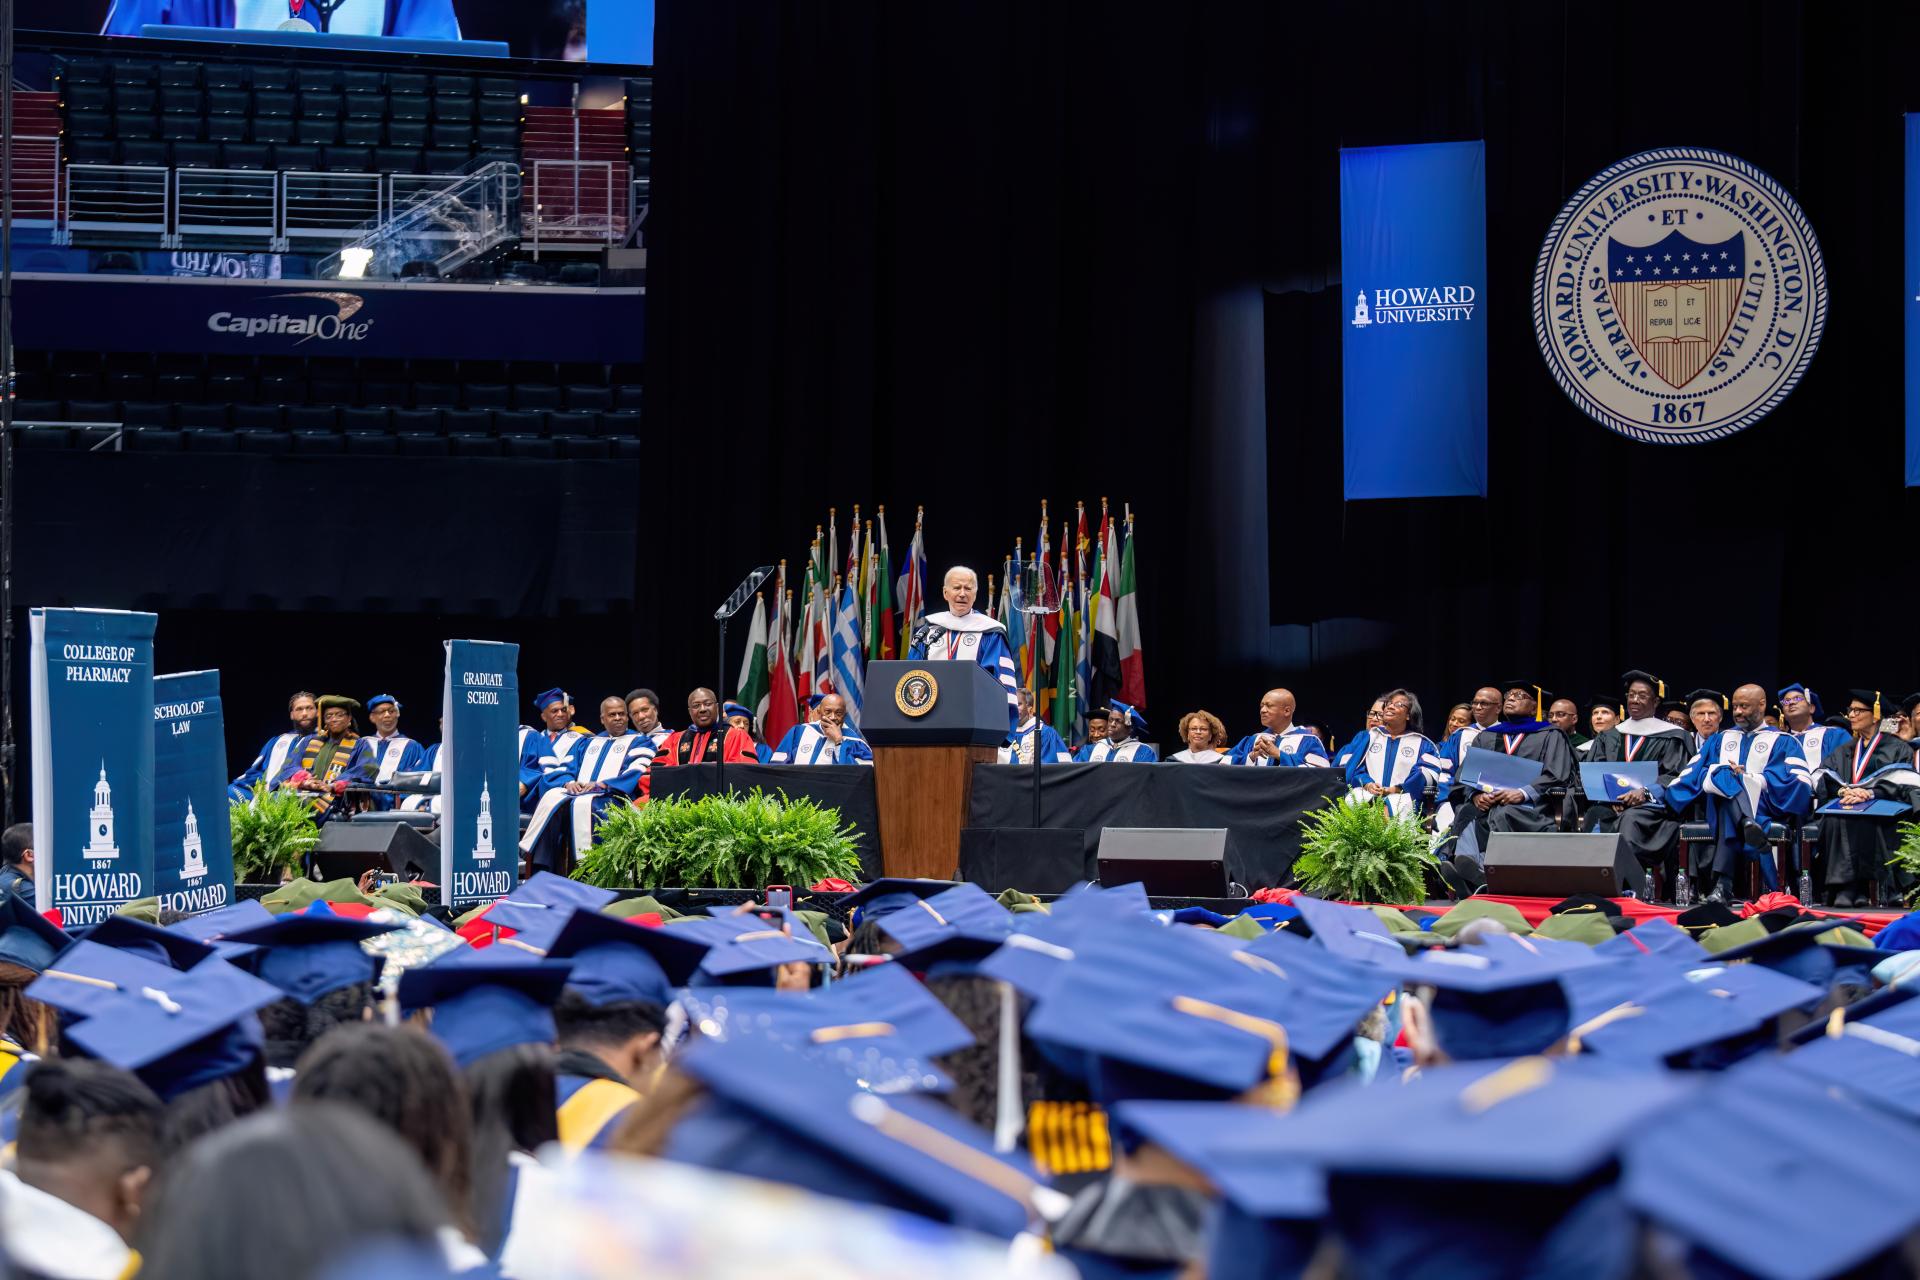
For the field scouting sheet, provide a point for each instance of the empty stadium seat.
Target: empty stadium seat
(366, 419)
(445, 160)
(204, 415)
(229, 388)
(318, 443)
(515, 422)
(414, 444)
(147, 415)
(573, 422)
(407, 133)
(588, 397)
(272, 129)
(93, 411)
(436, 395)
(228, 128)
(312, 417)
(418, 422)
(202, 155)
(263, 442)
(145, 152)
(356, 81)
(243, 155)
(472, 446)
(485, 395)
(271, 78)
(469, 422)
(536, 396)
(259, 417)
(397, 159)
(583, 449)
(151, 440)
(406, 106)
(362, 133)
(319, 130)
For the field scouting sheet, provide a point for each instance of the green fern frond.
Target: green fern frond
(272, 832)
(720, 842)
(1359, 852)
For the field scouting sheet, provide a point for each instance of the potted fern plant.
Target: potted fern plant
(273, 832)
(720, 842)
(1906, 862)
(1360, 852)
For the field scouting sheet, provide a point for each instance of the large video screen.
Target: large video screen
(619, 31)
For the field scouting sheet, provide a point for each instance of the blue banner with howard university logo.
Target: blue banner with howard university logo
(92, 707)
(1413, 261)
(192, 839)
(480, 771)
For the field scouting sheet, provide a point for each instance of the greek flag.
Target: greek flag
(846, 651)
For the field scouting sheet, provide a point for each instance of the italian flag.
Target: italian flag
(1126, 617)
(783, 702)
(883, 630)
(751, 688)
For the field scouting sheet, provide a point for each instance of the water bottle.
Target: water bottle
(1683, 890)
(1806, 887)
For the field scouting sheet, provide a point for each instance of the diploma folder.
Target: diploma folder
(1871, 809)
(1606, 783)
(1484, 770)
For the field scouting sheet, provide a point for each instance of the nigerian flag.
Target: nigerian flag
(751, 689)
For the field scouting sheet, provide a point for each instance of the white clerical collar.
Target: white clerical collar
(1647, 726)
(975, 621)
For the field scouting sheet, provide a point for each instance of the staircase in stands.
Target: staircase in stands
(577, 177)
(36, 156)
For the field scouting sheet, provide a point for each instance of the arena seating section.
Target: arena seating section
(369, 407)
(233, 112)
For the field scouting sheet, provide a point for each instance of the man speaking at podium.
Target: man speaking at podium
(960, 634)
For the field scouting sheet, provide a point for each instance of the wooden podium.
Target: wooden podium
(929, 723)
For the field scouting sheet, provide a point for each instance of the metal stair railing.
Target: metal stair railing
(443, 227)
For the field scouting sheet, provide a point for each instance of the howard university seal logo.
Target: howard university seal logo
(1679, 296)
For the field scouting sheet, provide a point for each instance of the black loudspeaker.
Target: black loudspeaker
(1030, 859)
(1549, 864)
(348, 848)
(1172, 862)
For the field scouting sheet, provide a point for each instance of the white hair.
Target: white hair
(960, 568)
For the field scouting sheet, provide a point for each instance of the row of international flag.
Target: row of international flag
(1077, 623)
(1074, 629)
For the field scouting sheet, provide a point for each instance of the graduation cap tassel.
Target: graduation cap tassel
(1006, 1110)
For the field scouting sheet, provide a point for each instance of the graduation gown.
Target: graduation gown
(694, 745)
(1019, 747)
(805, 744)
(562, 821)
(1857, 848)
(1297, 748)
(1650, 830)
(1534, 740)
(376, 760)
(429, 764)
(1411, 762)
(968, 637)
(541, 752)
(1132, 751)
(1774, 785)
(265, 767)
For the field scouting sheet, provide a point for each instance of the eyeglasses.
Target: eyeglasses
(1859, 711)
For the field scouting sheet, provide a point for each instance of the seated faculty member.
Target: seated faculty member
(1872, 764)
(304, 711)
(318, 764)
(959, 633)
(1018, 748)
(707, 739)
(1477, 813)
(1120, 747)
(1280, 741)
(1748, 775)
(643, 713)
(827, 738)
(1205, 737)
(1646, 825)
(1395, 762)
(610, 769)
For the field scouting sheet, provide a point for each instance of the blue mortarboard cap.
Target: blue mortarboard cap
(313, 952)
(1195, 915)
(162, 946)
(1902, 935)
(1327, 994)
(540, 906)
(1095, 902)
(28, 938)
(1659, 938)
(1797, 952)
(1119, 708)
(486, 1000)
(889, 993)
(1499, 998)
(819, 1131)
(1764, 1143)
(616, 960)
(1272, 915)
(379, 698)
(1811, 696)
(740, 945)
(1353, 932)
(1161, 1013)
(955, 928)
(877, 898)
(1642, 1009)
(1759, 991)
(214, 926)
(728, 710)
(546, 698)
(175, 1030)
(1033, 955)
(1879, 1065)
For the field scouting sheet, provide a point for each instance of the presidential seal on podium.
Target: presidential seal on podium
(915, 692)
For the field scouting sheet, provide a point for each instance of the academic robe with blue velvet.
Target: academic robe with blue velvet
(1817, 741)
(563, 822)
(1410, 761)
(425, 804)
(970, 637)
(1105, 751)
(1652, 829)
(265, 767)
(416, 19)
(1535, 740)
(541, 752)
(1857, 848)
(1053, 749)
(376, 760)
(1351, 748)
(1772, 784)
(1298, 749)
(805, 744)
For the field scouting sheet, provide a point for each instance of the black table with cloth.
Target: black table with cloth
(846, 787)
(1260, 808)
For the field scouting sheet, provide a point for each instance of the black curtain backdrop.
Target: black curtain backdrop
(975, 255)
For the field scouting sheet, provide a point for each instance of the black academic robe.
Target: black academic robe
(1857, 848)
(1533, 740)
(1650, 830)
